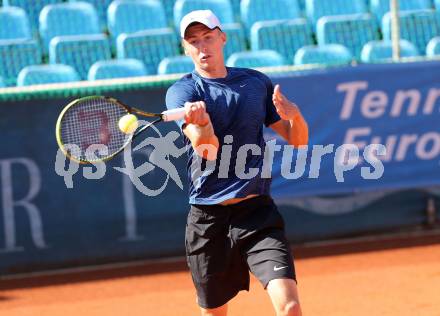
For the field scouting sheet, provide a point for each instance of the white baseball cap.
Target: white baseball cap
(206, 17)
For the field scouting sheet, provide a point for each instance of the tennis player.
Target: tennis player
(233, 225)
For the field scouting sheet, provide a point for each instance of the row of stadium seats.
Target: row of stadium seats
(285, 36)
(125, 16)
(71, 35)
(130, 16)
(129, 67)
(230, 11)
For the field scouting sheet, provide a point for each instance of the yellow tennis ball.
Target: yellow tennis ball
(128, 123)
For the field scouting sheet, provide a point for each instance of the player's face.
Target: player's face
(204, 46)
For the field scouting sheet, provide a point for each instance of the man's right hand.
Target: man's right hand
(200, 131)
(195, 113)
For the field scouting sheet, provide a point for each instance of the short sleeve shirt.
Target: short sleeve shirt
(239, 105)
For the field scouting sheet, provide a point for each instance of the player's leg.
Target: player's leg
(219, 311)
(284, 296)
(269, 256)
(217, 269)
(270, 261)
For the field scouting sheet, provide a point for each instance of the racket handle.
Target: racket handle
(173, 115)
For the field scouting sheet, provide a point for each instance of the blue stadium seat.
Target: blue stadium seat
(380, 7)
(433, 47)
(418, 27)
(285, 36)
(235, 39)
(132, 16)
(382, 51)
(437, 4)
(117, 68)
(15, 55)
(316, 9)
(221, 8)
(175, 65)
(14, 24)
(32, 8)
(254, 59)
(329, 54)
(168, 6)
(149, 46)
(261, 10)
(101, 7)
(352, 31)
(72, 18)
(2, 83)
(80, 51)
(236, 10)
(43, 74)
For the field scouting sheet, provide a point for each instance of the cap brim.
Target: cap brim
(196, 22)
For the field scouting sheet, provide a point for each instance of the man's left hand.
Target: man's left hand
(286, 109)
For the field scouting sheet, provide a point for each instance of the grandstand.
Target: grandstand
(79, 34)
(335, 59)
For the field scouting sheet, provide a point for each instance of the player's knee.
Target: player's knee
(210, 312)
(290, 308)
(219, 311)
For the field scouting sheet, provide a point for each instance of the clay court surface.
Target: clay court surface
(401, 282)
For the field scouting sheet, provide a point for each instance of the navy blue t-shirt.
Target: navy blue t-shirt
(238, 106)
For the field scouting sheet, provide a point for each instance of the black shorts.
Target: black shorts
(224, 243)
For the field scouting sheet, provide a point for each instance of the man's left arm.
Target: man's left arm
(292, 126)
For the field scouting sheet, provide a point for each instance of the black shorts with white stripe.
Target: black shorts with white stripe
(224, 243)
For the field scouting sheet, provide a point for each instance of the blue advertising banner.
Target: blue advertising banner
(395, 105)
(48, 221)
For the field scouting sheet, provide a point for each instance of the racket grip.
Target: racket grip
(173, 115)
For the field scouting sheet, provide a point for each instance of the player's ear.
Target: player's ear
(184, 48)
(223, 37)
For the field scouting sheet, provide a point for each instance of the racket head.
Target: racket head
(88, 121)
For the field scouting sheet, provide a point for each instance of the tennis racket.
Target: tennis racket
(88, 123)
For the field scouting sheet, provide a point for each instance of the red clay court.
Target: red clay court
(399, 281)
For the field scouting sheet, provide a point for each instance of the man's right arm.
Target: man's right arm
(199, 130)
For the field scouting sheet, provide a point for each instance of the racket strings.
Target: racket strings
(93, 122)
